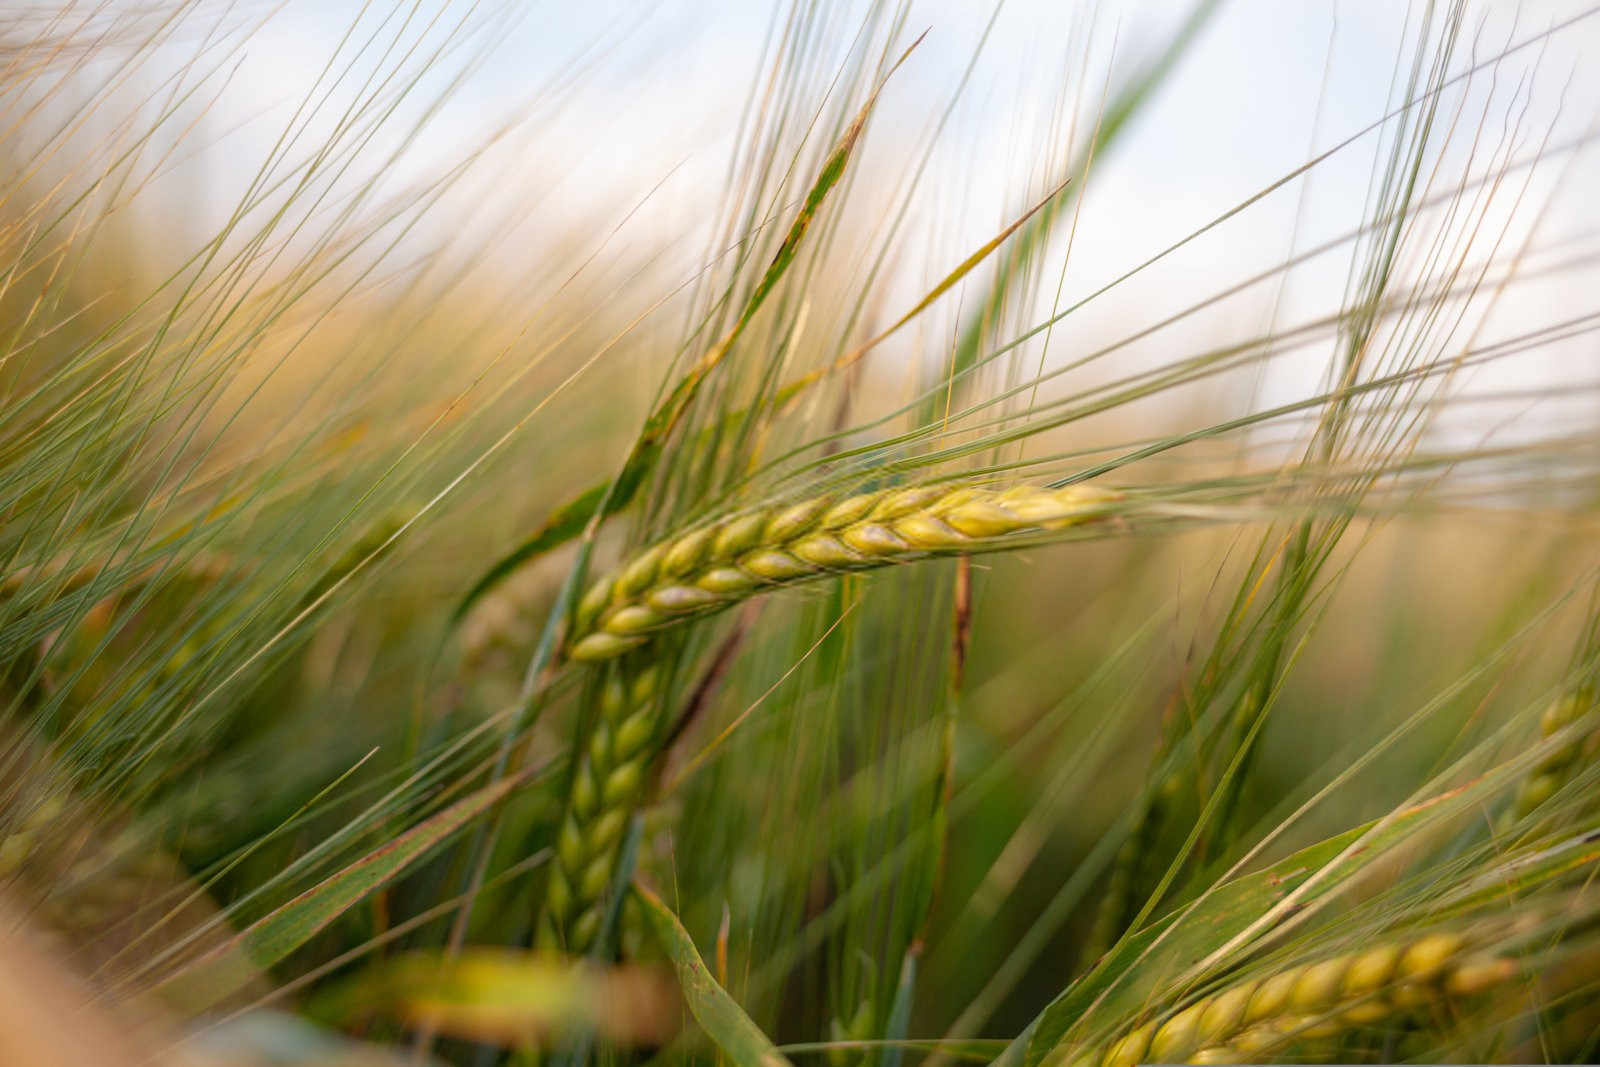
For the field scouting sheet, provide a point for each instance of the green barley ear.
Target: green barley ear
(624, 623)
(200, 615)
(625, 708)
(1559, 767)
(1574, 705)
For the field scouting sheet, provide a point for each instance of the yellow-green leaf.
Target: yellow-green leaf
(509, 997)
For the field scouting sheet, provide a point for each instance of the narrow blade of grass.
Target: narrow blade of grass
(734, 1032)
(219, 974)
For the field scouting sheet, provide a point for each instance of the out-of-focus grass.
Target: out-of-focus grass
(246, 484)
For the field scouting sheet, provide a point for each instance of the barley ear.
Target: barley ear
(626, 711)
(1245, 1021)
(1558, 768)
(714, 566)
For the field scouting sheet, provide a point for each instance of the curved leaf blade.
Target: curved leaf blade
(734, 1032)
(224, 971)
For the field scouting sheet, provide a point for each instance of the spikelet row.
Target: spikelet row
(727, 561)
(1247, 1021)
(610, 774)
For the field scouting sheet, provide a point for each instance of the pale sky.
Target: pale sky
(665, 83)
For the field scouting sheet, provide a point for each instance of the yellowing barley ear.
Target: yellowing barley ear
(1249, 1020)
(711, 567)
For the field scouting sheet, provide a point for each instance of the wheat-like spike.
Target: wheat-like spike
(727, 561)
(619, 626)
(611, 769)
(1556, 769)
(1241, 1023)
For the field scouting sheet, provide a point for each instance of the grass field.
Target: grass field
(660, 536)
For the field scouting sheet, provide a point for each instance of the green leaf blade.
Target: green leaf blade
(734, 1032)
(221, 973)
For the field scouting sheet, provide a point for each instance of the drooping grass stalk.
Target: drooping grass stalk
(622, 626)
(730, 560)
(1253, 1019)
